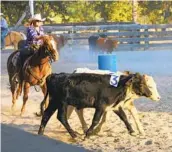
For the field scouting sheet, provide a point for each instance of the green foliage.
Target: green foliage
(81, 11)
(13, 10)
(148, 12)
(120, 11)
(156, 12)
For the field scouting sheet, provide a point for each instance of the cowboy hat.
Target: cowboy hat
(37, 17)
(1, 14)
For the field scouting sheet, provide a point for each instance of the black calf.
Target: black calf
(83, 90)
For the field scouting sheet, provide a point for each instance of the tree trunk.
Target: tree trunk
(134, 10)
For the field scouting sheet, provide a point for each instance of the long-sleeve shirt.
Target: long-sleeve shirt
(31, 33)
(4, 24)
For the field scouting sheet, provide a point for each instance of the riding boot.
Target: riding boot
(24, 54)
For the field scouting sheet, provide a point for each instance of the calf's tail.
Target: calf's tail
(42, 106)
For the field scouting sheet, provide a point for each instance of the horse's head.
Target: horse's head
(50, 47)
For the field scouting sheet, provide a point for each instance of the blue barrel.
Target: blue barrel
(107, 62)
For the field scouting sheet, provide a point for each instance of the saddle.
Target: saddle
(20, 57)
(27, 52)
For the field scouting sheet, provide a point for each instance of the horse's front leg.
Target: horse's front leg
(19, 90)
(25, 96)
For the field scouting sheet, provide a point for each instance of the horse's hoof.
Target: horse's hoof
(21, 114)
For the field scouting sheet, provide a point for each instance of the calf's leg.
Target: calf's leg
(69, 111)
(97, 116)
(132, 109)
(46, 116)
(103, 120)
(80, 116)
(123, 117)
(82, 120)
(62, 117)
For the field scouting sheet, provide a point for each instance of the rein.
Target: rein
(40, 80)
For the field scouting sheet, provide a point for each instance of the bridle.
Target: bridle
(48, 53)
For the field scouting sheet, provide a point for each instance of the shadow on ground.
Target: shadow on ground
(14, 139)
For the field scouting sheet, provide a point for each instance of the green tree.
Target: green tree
(120, 11)
(148, 12)
(13, 10)
(155, 12)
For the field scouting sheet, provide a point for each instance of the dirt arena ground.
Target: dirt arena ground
(156, 117)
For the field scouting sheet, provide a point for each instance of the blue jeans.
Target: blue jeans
(4, 32)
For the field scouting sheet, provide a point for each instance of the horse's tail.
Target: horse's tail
(14, 75)
(42, 106)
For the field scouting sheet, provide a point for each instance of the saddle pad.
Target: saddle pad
(15, 58)
(87, 70)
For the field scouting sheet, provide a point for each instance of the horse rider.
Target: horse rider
(4, 30)
(35, 32)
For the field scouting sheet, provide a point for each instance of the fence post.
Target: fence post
(146, 39)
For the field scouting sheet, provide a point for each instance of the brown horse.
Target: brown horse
(13, 38)
(106, 44)
(34, 71)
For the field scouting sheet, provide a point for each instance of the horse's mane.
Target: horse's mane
(45, 39)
